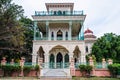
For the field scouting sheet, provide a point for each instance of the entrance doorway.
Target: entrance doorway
(59, 60)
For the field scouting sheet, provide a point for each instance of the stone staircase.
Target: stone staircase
(54, 78)
(56, 74)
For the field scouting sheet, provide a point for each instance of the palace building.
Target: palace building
(59, 37)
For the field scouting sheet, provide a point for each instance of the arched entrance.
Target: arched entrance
(61, 56)
(76, 54)
(40, 54)
(59, 60)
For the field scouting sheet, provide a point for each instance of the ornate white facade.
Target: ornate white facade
(59, 36)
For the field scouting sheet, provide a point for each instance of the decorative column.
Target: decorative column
(110, 61)
(46, 58)
(55, 60)
(82, 31)
(40, 61)
(64, 37)
(103, 63)
(63, 60)
(3, 61)
(91, 62)
(22, 61)
(55, 35)
(35, 26)
(70, 31)
(72, 67)
(47, 25)
(12, 62)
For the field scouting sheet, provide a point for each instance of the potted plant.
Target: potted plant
(37, 69)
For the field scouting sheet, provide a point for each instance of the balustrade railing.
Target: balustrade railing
(58, 13)
(53, 65)
(58, 38)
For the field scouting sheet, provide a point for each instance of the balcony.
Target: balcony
(58, 13)
(57, 38)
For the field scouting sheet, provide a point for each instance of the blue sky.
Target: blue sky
(103, 16)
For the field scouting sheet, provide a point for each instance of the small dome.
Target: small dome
(89, 34)
(88, 31)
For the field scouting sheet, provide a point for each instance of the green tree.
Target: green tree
(108, 46)
(11, 31)
(28, 33)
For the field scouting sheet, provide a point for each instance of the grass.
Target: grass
(74, 78)
(94, 78)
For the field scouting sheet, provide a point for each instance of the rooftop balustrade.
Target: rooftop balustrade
(58, 13)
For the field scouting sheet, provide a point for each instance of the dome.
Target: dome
(88, 31)
(89, 34)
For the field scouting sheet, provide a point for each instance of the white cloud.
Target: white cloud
(102, 15)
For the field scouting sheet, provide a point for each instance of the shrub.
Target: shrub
(114, 69)
(85, 69)
(88, 69)
(27, 69)
(9, 69)
(37, 68)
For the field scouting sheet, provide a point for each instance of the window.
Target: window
(86, 49)
(59, 35)
(59, 13)
(52, 36)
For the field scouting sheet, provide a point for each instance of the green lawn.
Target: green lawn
(74, 78)
(94, 78)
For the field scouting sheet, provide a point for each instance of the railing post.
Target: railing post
(12, 62)
(103, 63)
(110, 61)
(22, 61)
(3, 61)
(91, 62)
(40, 62)
(72, 67)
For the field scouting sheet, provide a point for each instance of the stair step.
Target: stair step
(55, 79)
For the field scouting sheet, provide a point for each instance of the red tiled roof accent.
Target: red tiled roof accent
(88, 31)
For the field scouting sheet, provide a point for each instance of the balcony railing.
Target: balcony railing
(58, 13)
(58, 38)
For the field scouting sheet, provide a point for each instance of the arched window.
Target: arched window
(66, 35)
(51, 61)
(66, 58)
(54, 12)
(51, 58)
(59, 13)
(59, 60)
(86, 49)
(52, 36)
(63, 12)
(75, 60)
(59, 35)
